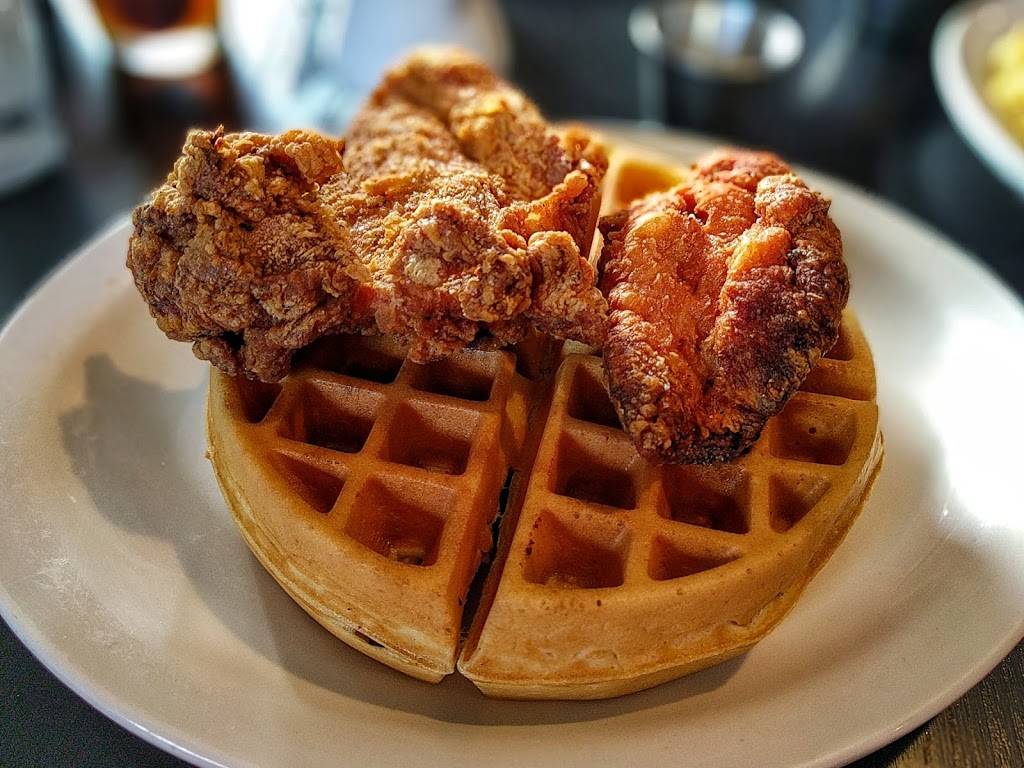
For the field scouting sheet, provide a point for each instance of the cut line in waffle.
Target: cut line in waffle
(367, 486)
(622, 574)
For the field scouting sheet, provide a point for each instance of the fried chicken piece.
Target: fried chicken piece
(455, 217)
(723, 292)
(237, 253)
(471, 212)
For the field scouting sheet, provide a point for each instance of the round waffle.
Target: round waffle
(367, 485)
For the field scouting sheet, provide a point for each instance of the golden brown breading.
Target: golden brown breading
(455, 217)
(723, 292)
(473, 215)
(237, 254)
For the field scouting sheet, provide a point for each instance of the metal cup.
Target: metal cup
(708, 55)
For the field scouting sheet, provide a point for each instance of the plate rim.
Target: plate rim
(170, 739)
(37, 643)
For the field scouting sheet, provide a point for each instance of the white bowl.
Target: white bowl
(959, 50)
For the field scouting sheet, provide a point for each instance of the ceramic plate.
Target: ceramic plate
(959, 65)
(121, 569)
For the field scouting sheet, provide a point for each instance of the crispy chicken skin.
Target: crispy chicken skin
(453, 216)
(473, 214)
(236, 252)
(723, 292)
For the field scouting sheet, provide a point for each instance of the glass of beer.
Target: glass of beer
(162, 38)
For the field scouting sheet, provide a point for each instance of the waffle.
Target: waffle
(367, 485)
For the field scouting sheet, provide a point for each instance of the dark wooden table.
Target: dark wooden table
(916, 160)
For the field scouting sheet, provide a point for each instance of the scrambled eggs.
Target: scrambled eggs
(1004, 86)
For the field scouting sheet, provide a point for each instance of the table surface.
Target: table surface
(918, 162)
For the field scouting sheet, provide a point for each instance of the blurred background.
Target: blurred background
(96, 96)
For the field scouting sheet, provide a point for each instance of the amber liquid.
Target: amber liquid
(133, 17)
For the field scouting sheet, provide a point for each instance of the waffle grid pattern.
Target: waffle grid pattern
(603, 517)
(641, 557)
(399, 446)
(398, 465)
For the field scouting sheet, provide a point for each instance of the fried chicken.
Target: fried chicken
(473, 215)
(723, 292)
(237, 253)
(453, 216)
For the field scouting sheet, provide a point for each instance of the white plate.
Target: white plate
(959, 59)
(121, 570)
